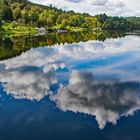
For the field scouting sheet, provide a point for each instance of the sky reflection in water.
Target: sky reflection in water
(96, 78)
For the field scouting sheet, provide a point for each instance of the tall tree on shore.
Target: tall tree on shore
(7, 13)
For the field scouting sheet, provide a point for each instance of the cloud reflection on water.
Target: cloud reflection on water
(107, 99)
(103, 77)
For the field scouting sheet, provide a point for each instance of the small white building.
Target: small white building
(41, 31)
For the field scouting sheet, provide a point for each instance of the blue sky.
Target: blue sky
(110, 7)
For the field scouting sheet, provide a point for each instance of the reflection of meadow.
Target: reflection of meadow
(16, 45)
(101, 77)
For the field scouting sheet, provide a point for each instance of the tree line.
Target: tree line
(25, 12)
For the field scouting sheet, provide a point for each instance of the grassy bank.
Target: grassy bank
(10, 29)
(17, 29)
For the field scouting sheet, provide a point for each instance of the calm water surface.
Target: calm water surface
(86, 89)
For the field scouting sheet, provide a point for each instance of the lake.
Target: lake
(70, 86)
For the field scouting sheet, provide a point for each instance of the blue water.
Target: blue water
(87, 90)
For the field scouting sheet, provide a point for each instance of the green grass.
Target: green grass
(75, 29)
(17, 29)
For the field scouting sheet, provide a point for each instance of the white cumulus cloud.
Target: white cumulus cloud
(110, 7)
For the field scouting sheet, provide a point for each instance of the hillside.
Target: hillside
(135, 22)
(23, 15)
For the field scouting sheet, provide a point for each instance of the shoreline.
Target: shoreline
(19, 29)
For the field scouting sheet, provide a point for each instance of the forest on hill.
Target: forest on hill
(15, 13)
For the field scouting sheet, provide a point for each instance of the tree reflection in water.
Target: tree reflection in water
(14, 46)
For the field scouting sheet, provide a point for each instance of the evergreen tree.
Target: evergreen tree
(7, 13)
